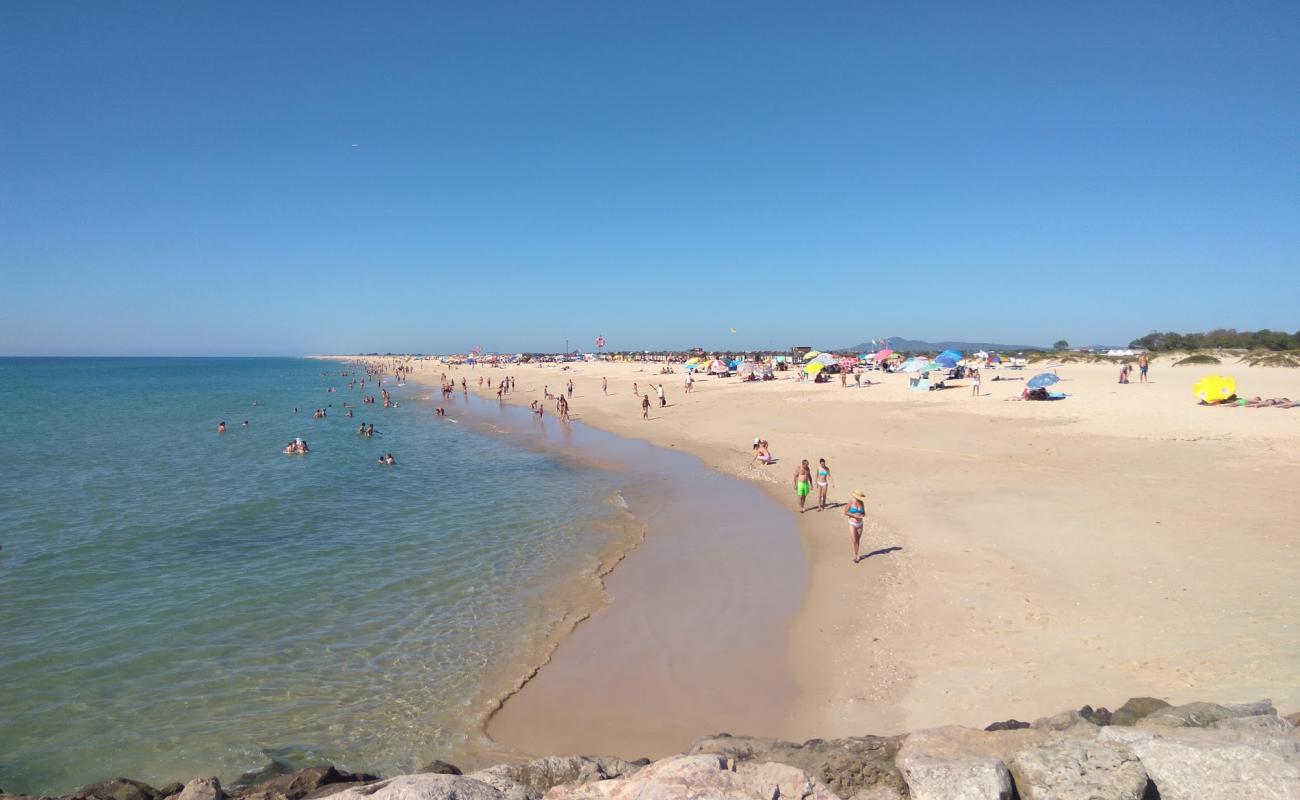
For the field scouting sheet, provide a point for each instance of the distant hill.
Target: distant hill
(917, 346)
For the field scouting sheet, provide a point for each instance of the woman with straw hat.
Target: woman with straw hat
(856, 511)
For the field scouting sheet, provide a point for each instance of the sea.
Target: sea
(176, 601)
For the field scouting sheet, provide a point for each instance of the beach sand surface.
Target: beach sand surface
(1025, 557)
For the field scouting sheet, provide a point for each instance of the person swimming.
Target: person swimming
(221, 427)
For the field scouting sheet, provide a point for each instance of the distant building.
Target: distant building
(798, 352)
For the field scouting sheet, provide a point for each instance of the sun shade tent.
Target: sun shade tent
(719, 367)
(1215, 388)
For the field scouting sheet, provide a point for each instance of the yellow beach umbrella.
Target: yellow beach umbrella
(810, 354)
(693, 360)
(1215, 388)
(813, 369)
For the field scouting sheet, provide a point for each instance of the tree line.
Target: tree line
(1225, 338)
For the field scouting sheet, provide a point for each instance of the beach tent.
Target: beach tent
(1215, 388)
(915, 364)
(719, 367)
(731, 365)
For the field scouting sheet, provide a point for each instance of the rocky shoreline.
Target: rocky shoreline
(1145, 750)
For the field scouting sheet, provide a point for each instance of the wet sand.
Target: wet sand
(692, 640)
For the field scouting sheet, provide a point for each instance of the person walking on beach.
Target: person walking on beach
(635, 389)
(604, 386)
(974, 383)
(645, 406)
(856, 511)
(690, 382)
(570, 387)
(1143, 365)
(823, 479)
(802, 482)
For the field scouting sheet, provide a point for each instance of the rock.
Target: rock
(437, 767)
(1007, 725)
(273, 769)
(1135, 709)
(173, 788)
(298, 785)
(1060, 722)
(202, 789)
(848, 767)
(702, 776)
(117, 789)
(1202, 715)
(1078, 770)
(964, 778)
(334, 788)
(1258, 722)
(423, 787)
(1100, 716)
(1294, 719)
(955, 741)
(538, 776)
(1212, 764)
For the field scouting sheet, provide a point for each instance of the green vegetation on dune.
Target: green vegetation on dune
(1220, 338)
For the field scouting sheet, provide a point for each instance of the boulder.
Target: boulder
(1099, 716)
(1202, 715)
(1294, 718)
(1078, 770)
(532, 779)
(1061, 722)
(272, 769)
(1266, 722)
(1135, 709)
(702, 776)
(954, 741)
(423, 787)
(436, 767)
(175, 787)
(301, 784)
(202, 789)
(848, 767)
(117, 789)
(1211, 764)
(1007, 725)
(961, 778)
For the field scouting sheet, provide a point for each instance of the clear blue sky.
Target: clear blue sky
(287, 178)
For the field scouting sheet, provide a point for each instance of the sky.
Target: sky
(246, 178)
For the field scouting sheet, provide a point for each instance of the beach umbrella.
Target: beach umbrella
(825, 359)
(881, 355)
(931, 367)
(955, 355)
(810, 355)
(995, 359)
(1215, 388)
(746, 368)
(693, 360)
(734, 363)
(912, 365)
(814, 368)
(848, 363)
(945, 360)
(1042, 380)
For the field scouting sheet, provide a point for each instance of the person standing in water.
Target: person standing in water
(802, 483)
(823, 480)
(856, 511)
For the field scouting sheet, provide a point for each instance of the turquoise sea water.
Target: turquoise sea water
(175, 601)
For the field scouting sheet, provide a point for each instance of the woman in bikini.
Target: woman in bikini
(802, 482)
(856, 511)
(823, 479)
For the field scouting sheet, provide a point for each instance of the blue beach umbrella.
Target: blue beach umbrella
(955, 355)
(1042, 380)
(946, 361)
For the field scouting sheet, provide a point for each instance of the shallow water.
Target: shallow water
(177, 602)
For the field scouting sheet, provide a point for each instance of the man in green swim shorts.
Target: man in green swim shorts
(802, 483)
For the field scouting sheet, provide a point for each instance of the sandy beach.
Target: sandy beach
(1023, 555)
